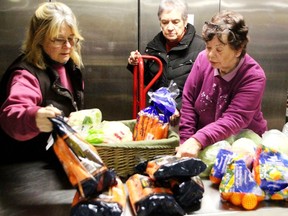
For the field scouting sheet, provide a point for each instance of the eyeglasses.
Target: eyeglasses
(59, 42)
(211, 29)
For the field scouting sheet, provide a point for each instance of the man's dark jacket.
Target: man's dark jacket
(177, 63)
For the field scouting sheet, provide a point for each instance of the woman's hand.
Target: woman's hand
(174, 119)
(42, 115)
(190, 148)
(133, 58)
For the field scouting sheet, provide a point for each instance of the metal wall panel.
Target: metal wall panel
(110, 32)
(268, 30)
(201, 10)
(110, 28)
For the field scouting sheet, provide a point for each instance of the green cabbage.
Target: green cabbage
(276, 140)
(249, 134)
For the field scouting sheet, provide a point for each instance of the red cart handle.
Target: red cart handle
(139, 90)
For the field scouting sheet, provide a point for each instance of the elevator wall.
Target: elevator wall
(112, 29)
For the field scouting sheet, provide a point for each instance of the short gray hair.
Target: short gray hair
(169, 5)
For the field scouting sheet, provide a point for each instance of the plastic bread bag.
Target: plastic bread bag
(147, 198)
(271, 171)
(188, 193)
(169, 166)
(239, 187)
(111, 202)
(80, 160)
(164, 99)
(153, 121)
(151, 125)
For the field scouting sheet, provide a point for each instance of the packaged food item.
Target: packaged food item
(209, 154)
(116, 132)
(80, 160)
(239, 187)
(111, 202)
(147, 198)
(218, 170)
(170, 166)
(226, 156)
(150, 125)
(85, 117)
(188, 193)
(271, 172)
(276, 140)
(152, 122)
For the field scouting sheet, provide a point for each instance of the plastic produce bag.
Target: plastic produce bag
(148, 198)
(85, 117)
(80, 160)
(276, 140)
(111, 202)
(188, 193)
(209, 154)
(150, 125)
(153, 121)
(87, 123)
(224, 157)
(239, 187)
(168, 166)
(164, 99)
(271, 171)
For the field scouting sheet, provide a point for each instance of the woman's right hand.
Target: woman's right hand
(133, 58)
(42, 118)
(190, 148)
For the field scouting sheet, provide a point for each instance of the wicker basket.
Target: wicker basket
(125, 155)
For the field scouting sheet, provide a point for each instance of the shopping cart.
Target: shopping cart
(139, 89)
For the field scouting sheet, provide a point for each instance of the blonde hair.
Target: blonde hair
(47, 21)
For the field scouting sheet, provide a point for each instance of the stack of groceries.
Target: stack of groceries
(250, 169)
(165, 185)
(98, 189)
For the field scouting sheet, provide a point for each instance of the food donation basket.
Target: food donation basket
(124, 156)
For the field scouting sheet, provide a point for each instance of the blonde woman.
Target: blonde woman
(44, 81)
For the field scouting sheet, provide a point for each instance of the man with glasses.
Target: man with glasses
(177, 46)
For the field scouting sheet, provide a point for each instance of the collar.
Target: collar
(232, 74)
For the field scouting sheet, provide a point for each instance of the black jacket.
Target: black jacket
(177, 63)
(52, 93)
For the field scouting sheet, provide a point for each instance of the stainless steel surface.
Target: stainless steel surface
(111, 31)
(267, 21)
(39, 189)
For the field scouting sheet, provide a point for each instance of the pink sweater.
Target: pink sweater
(17, 114)
(215, 107)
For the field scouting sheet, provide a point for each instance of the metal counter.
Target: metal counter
(39, 189)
